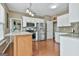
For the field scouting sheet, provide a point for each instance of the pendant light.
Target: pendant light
(29, 11)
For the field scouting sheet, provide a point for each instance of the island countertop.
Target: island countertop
(18, 33)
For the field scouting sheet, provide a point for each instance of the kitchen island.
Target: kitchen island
(22, 43)
(69, 44)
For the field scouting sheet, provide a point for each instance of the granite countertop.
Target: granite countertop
(74, 35)
(63, 32)
(18, 33)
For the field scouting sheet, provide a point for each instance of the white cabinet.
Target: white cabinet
(49, 30)
(74, 12)
(63, 20)
(26, 19)
(69, 46)
(57, 38)
(31, 20)
(24, 22)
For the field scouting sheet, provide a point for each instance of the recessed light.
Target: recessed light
(53, 6)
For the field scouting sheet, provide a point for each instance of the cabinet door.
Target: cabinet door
(57, 39)
(24, 23)
(59, 22)
(23, 45)
(25, 20)
(63, 20)
(69, 46)
(74, 12)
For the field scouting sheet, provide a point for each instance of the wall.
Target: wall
(13, 14)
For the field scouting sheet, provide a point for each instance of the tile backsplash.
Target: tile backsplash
(67, 29)
(74, 26)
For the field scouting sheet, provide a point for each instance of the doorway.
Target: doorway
(54, 29)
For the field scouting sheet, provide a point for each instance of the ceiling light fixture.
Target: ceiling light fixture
(29, 11)
(32, 15)
(53, 6)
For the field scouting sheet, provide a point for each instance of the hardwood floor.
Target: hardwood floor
(45, 48)
(9, 50)
(40, 48)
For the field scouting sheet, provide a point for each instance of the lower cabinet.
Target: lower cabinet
(57, 39)
(69, 46)
(23, 45)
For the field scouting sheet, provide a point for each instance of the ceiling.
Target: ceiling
(40, 9)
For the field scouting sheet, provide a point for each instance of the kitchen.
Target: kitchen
(24, 31)
(25, 34)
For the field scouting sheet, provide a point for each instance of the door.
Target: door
(49, 30)
(54, 28)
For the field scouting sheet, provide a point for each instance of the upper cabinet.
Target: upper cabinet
(74, 12)
(2, 14)
(31, 20)
(15, 25)
(63, 20)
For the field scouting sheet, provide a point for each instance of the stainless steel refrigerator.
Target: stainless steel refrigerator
(41, 31)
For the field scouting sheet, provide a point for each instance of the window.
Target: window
(2, 17)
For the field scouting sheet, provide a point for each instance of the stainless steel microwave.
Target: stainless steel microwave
(30, 24)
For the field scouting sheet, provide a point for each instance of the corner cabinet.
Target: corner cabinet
(63, 20)
(74, 12)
